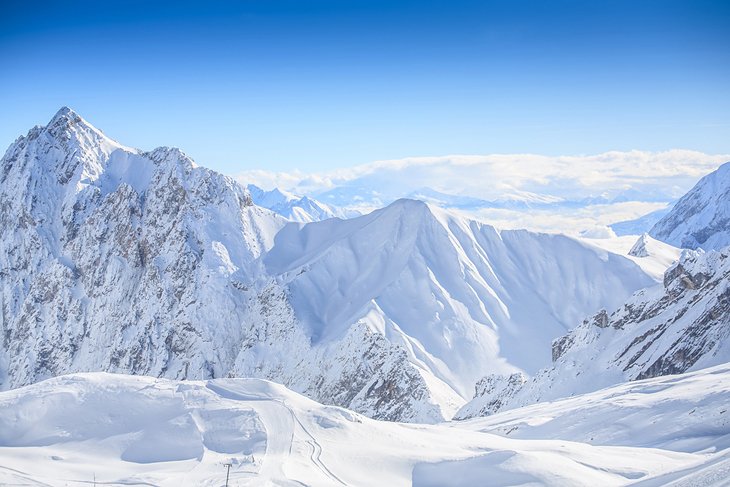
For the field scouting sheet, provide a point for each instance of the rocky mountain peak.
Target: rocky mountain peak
(164, 155)
(68, 126)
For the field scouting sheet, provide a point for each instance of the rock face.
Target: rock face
(701, 218)
(679, 326)
(640, 248)
(114, 259)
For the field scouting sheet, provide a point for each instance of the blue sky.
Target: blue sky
(317, 85)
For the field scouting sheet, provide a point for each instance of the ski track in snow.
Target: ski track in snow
(273, 467)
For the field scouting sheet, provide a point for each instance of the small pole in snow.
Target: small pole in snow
(228, 471)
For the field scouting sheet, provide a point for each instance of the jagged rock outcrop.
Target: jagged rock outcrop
(640, 248)
(679, 326)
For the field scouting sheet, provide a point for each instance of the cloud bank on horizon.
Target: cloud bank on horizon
(571, 194)
(653, 176)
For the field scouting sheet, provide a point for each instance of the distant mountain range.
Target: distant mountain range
(301, 209)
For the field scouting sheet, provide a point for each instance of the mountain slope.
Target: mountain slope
(639, 225)
(681, 325)
(701, 218)
(116, 429)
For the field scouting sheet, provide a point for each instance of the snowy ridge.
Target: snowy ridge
(701, 218)
(118, 429)
(115, 259)
(681, 325)
(652, 255)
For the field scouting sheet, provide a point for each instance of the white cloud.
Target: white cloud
(590, 221)
(658, 175)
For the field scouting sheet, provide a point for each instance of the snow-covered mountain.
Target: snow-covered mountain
(122, 260)
(459, 296)
(295, 208)
(701, 218)
(115, 259)
(678, 326)
(124, 430)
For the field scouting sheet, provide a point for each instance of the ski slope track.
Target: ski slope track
(141, 262)
(133, 430)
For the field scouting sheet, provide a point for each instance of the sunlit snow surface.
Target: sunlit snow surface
(127, 430)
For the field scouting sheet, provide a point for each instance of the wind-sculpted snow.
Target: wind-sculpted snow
(125, 430)
(678, 326)
(120, 260)
(701, 218)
